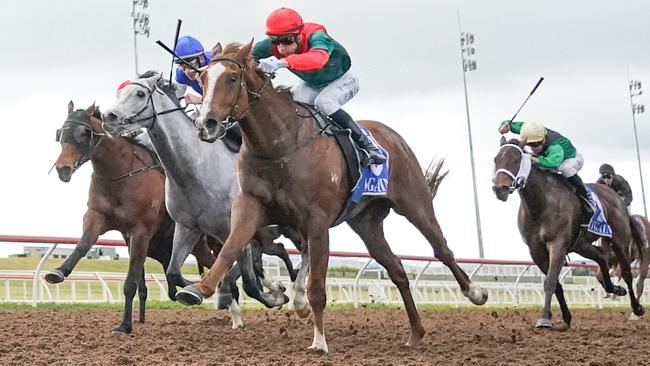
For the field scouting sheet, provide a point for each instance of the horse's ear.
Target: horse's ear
(217, 49)
(502, 141)
(245, 51)
(90, 110)
(96, 123)
(70, 107)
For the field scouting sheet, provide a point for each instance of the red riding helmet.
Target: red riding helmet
(283, 21)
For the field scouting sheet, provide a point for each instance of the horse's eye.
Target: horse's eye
(140, 94)
(233, 79)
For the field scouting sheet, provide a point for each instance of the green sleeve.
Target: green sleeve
(554, 156)
(322, 41)
(262, 49)
(515, 127)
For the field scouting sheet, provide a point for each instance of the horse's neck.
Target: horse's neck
(271, 126)
(112, 157)
(534, 194)
(180, 151)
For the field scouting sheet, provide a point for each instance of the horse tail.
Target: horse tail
(434, 176)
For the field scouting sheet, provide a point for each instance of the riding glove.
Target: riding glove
(271, 64)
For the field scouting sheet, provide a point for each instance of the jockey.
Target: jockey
(616, 182)
(190, 50)
(323, 65)
(550, 150)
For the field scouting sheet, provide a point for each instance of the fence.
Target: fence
(507, 282)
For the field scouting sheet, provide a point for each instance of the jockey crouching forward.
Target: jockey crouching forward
(550, 150)
(323, 65)
(616, 182)
(191, 51)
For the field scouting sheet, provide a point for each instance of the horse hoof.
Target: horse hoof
(639, 310)
(55, 276)
(620, 291)
(318, 348)
(477, 295)
(544, 323)
(633, 317)
(189, 296)
(284, 299)
(304, 311)
(122, 330)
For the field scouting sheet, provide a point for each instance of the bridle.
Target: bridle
(94, 140)
(232, 119)
(135, 118)
(519, 179)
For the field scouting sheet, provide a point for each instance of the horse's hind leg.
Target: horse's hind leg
(596, 254)
(626, 272)
(424, 219)
(369, 226)
(142, 295)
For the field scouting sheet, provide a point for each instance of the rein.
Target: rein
(525, 164)
(134, 172)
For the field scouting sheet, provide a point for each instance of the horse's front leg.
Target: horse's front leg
(318, 244)
(185, 240)
(556, 259)
(246, 218)
(94, 225)
(138, 246)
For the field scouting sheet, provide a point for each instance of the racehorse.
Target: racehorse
(201, 178)
(550, 222)
(291, 175)
(126, 194)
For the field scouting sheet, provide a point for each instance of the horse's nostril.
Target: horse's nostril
(211, 123)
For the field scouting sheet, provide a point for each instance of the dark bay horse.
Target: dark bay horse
(550, 219)
(201, 179)
(126, 194)
(291, 175)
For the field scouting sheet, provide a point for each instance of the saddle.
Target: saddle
(371, 180)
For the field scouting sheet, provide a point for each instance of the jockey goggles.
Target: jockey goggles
(194, 61)
(286, 39)
(535, 144)
(606, 176)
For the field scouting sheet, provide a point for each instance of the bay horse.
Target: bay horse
(126, 194)
(291, 175)
(201, 178)
(550, 222)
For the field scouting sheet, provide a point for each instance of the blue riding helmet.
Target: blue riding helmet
(188, 47)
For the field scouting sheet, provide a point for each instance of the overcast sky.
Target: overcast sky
(407, 55)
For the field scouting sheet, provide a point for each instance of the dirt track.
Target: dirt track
(363, 337)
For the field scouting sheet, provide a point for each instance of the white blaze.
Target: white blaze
(213, 75)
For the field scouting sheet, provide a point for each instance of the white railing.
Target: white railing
(510, 283)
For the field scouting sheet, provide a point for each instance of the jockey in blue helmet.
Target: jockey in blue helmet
(191, 51)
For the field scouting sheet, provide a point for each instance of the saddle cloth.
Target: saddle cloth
(367, 181)
(598, 223)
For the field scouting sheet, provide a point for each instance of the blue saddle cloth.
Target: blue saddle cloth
(598, 223)
(374, 178)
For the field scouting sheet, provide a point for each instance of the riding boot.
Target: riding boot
(581, 189)
(343, 120)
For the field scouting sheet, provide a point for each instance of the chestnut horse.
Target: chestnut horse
(127, 195)
(291, 175)
(550, 222)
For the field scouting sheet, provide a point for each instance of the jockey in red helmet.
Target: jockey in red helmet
(323, 65)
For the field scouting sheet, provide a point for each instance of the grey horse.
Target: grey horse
(201, 178)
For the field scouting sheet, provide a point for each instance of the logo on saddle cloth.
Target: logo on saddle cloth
(374, 178)
(598, 223)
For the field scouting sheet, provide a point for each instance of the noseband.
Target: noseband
(518, 180)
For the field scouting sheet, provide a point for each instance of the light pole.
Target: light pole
(635, 91)
(467, 50)
(140, 27)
